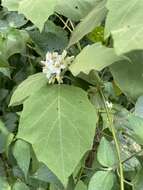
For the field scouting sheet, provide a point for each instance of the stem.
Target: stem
(115, 140)
(113, 133)
(65, 23)
(127, 182)
(79, 175)
(70, 30)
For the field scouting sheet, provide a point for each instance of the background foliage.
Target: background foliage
(84, 134)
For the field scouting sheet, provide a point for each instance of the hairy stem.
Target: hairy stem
(116, 142)
(113, 132)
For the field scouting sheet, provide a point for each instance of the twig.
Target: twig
(135, 154)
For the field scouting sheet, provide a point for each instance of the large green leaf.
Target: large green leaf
(125, 24)
(101, 180)
(106, 154)
(27, 87)
(93, 19)
(59, 122)
(12, 5)
(37, 11)
(95, 57)
(128, 74)
(75, 9)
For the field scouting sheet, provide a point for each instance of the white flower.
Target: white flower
(109, 104)
(54, 64)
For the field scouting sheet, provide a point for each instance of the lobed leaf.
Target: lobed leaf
(63, 120)
(125, 25)
(37, 11)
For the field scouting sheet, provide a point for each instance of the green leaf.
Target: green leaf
(16, 41)
(97, 35)
(92, 57)
(5, 137)
(93, 19)
(132, 124)
(5, 71)
(21, 152)
(138, 182)
(128, 74)
(11, 5)
(52, 38)
(128, 147)
(3, 62)
(4, 184)
(44, 174)
(106, 154)
(53, 187)
(10, 120)
(67, 123)
(75, 9)
(125, 24)
(80, 186)
(20, 186)
(101, 180)
(29, 86)
(13, 41)
(37, 11)
(135, 125)
(15, 20)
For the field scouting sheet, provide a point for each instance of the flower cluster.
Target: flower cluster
(109, 104)
(54, 65)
